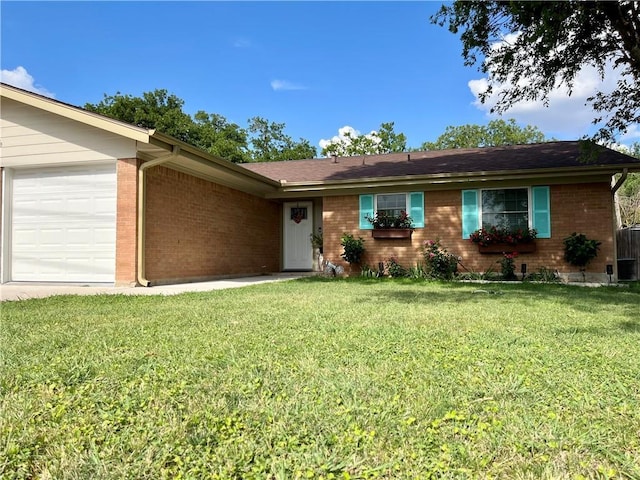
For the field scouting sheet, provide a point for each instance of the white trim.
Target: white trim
(7, 199)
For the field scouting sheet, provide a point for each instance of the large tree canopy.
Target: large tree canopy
(271, 144)
(495, 133)
(530, 48)
(209, 131)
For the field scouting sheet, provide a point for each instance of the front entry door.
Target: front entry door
(298, 225)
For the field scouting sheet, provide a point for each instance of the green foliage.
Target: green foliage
(316, 238)
(579, 250)
(210, 132)
(629, 193)
(385, 140)
(493, 235)
(440, 264)
(495, 133)
(395, 270)
(324, 378)
(544, 274)
(154, 110)
(507, 266)
(382, 220)
(545, 47)
(353, 248)
(271, 144)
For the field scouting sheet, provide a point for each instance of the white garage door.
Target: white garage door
(64, 224)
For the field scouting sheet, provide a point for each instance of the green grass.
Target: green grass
(324, 379)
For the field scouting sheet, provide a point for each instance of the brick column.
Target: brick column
(127, 214)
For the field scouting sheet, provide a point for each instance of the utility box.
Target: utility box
(627, 269)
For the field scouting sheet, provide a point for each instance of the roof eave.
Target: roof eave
(320, 187)
(77, 114)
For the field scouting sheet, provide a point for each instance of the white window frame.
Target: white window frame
(529, 203)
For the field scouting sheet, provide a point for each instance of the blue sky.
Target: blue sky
(315, 66)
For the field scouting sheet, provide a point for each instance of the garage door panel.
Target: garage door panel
(63, 224)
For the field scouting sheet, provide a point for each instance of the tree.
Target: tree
(495, 133)
(349, 142)
(221, 138)
(271, 144)
(157, 110)
(210, 132)
(530, 48)
(628, 197)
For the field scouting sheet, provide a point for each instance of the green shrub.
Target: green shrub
(579, 250)
(396, 270)
(353, 248)
(440, 264)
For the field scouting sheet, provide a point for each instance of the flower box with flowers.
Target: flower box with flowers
(391, 226)
(500, 240)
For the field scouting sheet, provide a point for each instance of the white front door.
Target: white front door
(298, 225)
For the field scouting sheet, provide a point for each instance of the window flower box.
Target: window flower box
(391, 233)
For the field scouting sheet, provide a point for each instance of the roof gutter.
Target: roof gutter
(142, 197)
(616, 187)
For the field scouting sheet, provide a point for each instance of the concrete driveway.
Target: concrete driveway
(23, 291)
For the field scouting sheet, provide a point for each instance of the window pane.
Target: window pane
(508, 208)
(391, 204)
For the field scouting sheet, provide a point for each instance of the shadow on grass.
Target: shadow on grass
(598, 300)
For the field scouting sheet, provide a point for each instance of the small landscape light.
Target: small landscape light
(609, 271)
(523, 270)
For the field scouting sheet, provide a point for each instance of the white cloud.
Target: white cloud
(565, 115)
(286, 85)
(22, 79)
(346, 136)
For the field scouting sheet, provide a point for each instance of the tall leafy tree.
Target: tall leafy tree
(495, 133)
(158, 110)
(221, 138)
(211, 132)
(350, 142)
(271, 144)
(530, 48)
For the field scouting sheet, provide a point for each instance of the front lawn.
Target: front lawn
(323, 378)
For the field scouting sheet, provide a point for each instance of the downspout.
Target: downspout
(142, 197)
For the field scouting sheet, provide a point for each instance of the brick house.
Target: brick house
(448, 193)
(89, 199)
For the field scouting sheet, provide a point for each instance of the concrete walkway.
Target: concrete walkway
(23, 291)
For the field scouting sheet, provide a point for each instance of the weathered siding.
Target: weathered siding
(31, 136)
(581, 208)
(197, 229)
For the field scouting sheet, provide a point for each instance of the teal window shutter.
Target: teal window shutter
(366, 210)
(416, 208)
(541, 209)
(470, 216)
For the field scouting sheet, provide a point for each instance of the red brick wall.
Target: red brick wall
(197, 229)
(127, 208)
(581, 208)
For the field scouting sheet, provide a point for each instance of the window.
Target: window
(526, 207)
(507, 208)
(392, 204)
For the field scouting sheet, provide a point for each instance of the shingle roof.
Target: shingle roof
(539, 156)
